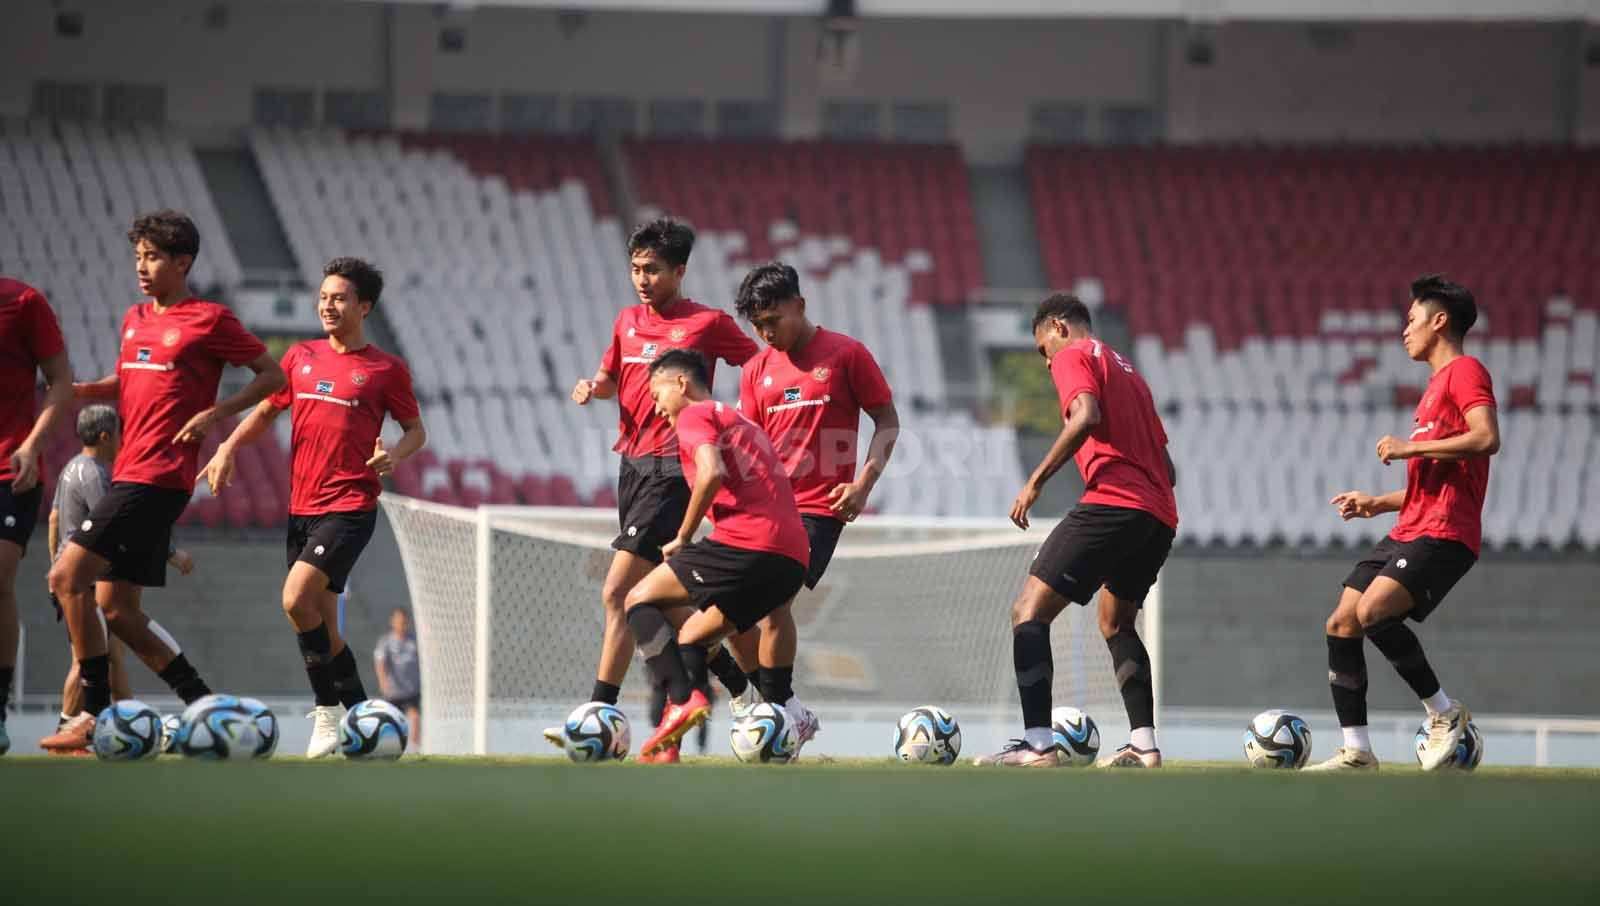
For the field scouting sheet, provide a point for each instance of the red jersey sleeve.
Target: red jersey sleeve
(727, 342)
(398, 397)
(867, 383)
(44, 333)
(696, 429)
(1471, 386)
(283, 398)
(611, 359)
(229, 341)
(749, 406)
(1073, 375)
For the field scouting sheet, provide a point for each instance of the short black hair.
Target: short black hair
(684, 361)
(169, 231)
(1453, 299)
(1064, 307)
(96, 420)
(368, 279)
(670, 239)
(765, 287)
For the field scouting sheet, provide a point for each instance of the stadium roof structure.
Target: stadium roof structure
(1189, 10)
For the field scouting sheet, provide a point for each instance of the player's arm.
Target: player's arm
(1482, 438)
(268, 380)
(52, 532)
(58, 394)
(218, 473)
(104, 389)
(1082, 415)
(381, 668)
(848, 500)
(1356, 505)
(707, 481)
(600, 387)
(383, 461)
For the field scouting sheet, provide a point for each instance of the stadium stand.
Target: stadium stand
(1265, 289)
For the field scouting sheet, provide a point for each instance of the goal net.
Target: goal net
(911, 611)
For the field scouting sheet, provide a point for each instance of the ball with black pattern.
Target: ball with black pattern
(1468, 754)
(1277, 739)
(1077, 739)
(129, 730)
(927, 735)
(217, 728)
(764, 734)
(266, 726)
(374, 730)
(596, 731)
(170, 724)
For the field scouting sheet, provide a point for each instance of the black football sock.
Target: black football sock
(605, 692)
(658, 701)
(753, 677)
(316, 649)
(1131, 662)
(659, 642)
(5, 690)
(1030, 653)
(1404, 650)
(184, 679)
(777, 684)
(94, 675)
(1347, 679)
(347, 678)
(727, 671)
(694, 664)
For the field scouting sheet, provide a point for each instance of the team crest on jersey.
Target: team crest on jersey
(791, 394)
(677, 334)
(649, 349)
(305, 369)
(630, 333)
(171, 337)
(820, 373)
(128, 335)
(144, 354)
(358, 378)
(324, 386)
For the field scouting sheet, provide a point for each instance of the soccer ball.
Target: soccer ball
(764, 734)
(266, 726)
(596, 731)
(1077, 738)
(217, 727)
(169, 732)
(1277, 739)
(127, 731)
(927, 735)
(1468, 753)
(374, 729)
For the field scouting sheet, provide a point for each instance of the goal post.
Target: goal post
(912, 611)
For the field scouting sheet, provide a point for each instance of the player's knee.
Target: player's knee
(1370, 614)
(299, 604)
(617, 598)
(626, 601)
(60, 580)
(1343, 625)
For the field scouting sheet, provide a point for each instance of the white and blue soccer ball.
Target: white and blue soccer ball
(927, 735)
(764, 734)
(1469, 751)
(1277, 739)
(129, 730)
(266, 726)
(1077, 738)
(596, 731)
(374, 729)
(170, 724)
(217, 728)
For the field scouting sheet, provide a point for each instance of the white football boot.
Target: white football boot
(744, 701)
(806, 724)
(1130, 757)
(1346, 758)
(555, 737)
(1445, 730)
(324, 730)
(1018, 754)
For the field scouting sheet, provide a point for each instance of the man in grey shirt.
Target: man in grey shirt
(400, 672)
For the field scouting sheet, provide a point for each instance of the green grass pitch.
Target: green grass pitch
(448, 830)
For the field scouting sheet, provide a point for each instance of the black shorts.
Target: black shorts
(1426, 567)
(331, 542)
(823, 532)
(131, 527)
(1120, 548)
(745, 585)
(19, 513)
(407, 703)
(651, 500)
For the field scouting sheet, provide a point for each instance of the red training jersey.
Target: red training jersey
(337, 402)
(169, 371)
(1123, 461)
(1445, 499)
(754, 509)
(639, 336)
(29, 334)
(810, 404)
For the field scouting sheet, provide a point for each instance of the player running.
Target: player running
(30, 343)
(1117, 536)
(807, 391)
(339, 389)
(83, 481)
(173, 351)
(1436, 540)
(651, 494)
(749, 568)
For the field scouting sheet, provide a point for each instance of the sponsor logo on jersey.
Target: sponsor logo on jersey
(143, 354)
(677, 334)
(171, 337)
(820, 373)
(324, 386)
(791, 394)
(358, 378)
(649, 349)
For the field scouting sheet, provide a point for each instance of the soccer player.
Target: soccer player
(339, 388)
(1118, 536)
(83, 481)
(1436, 540)
(746, 571)
(651, 494)
(173, 350)
(30, 343)
(807, 391)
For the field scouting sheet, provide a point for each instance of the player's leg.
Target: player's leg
(670, 663)
(1034, 609)
(1147, 542)
(10, 630)
(616, 644)
(121, 602)
(322, 550)
(121, 688)
(1382, 611)
(72, 581)
(779, 645)
(745, 649)
(1347, 681)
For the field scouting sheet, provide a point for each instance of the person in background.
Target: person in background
(400, 673)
